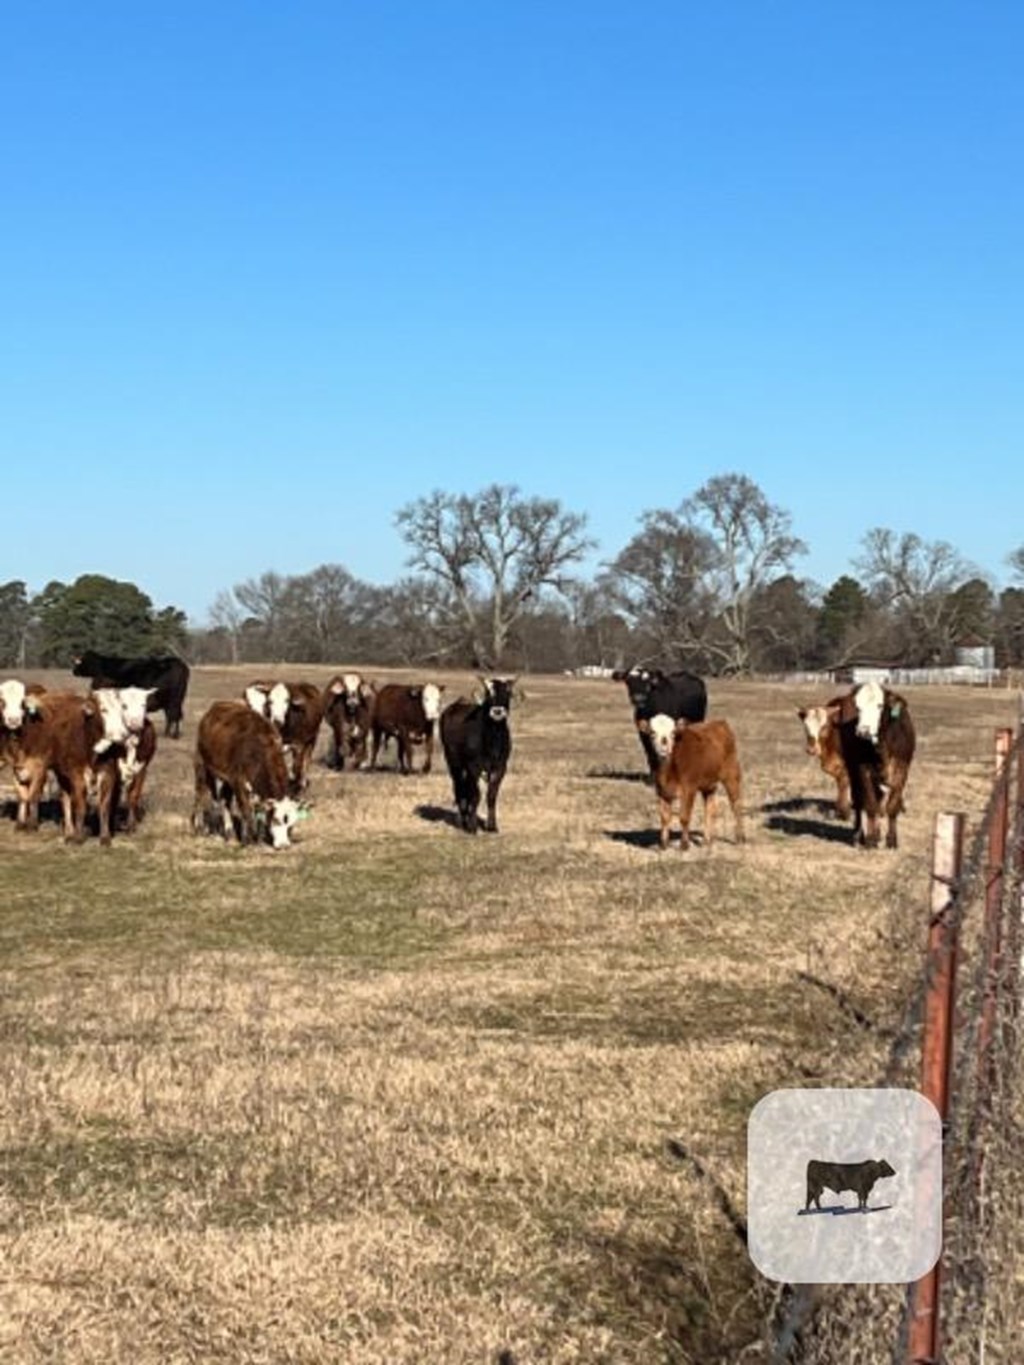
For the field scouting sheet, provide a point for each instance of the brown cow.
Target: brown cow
(409, 715)
(295, 709)
(79, 740)
(348, 702)
(823, 743)
(877, 739)
(694, 756)
(240, 763)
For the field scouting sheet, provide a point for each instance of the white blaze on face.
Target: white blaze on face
(431, 701)
(278, 698)
(283, 814)
(115, 728)
(663, 734)
(133, 703)
(257, 699)
(815, 719)
(12, 703)
(870, 700)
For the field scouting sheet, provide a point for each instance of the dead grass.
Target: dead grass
(399, 1095)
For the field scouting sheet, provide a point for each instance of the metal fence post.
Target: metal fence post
(937, 1046)
(994, 883)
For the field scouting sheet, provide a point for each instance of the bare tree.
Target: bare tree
(226, 615)
(264, 599)
(913, 580)
(492, 551)
(753, 545)
(1016, 562)
(660, 581)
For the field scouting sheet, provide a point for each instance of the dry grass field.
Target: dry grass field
(399, 1095)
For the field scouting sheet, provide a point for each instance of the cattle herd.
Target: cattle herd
(253, 752)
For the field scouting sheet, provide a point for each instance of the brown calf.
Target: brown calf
(694, 757)
(824, 744)
(409, 715)
(296, 710)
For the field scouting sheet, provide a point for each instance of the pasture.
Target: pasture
(398, 1094)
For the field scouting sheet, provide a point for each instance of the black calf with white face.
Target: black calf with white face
(477, 743)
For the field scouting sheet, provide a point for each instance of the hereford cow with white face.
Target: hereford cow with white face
(877, 742)
(822, 742)
(409, 715)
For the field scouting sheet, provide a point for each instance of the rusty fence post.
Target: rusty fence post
(937, 1047)
(995, 880)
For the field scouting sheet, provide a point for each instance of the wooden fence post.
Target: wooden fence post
(937, 1047)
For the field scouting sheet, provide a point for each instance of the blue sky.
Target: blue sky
(269, 271)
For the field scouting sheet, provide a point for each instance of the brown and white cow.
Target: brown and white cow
(823, 743)
(295, 709)
(692, 757)
(133, 760)
(349, 702)
(877, 740)
(240, 765)
(80, 740)
(409, 715)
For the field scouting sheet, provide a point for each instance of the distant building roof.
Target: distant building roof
(973, 642)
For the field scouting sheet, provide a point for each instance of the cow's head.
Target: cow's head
(256, 697)
(662, 731)
(282, 815)
(12, 703)
(884, 1168)
(432, 693)
(498, 696)
(869, 699)
(134, 703)
(107, 701)
(816, 720)
(640, 683)
(278, 701)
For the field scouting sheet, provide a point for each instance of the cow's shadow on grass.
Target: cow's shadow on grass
(838, 1210)
(650, 838)
(606, 774)
(798, 803)
(50, 811)
(438, 815)
(816, 829)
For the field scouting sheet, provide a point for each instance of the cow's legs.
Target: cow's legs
(377, 735)
(74, 798)
(493, 787)
(665, 814)
(107, 792)
(686, 799)
(710, 807)
(428, 754)
(203, 798)
(247, 830)
(29, 780)
(733, 789)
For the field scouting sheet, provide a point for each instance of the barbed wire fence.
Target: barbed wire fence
(958, 1038)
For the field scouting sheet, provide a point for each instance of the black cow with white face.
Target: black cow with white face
(477, 743)
(653, 692)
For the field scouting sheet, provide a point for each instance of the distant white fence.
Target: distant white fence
(964, 675)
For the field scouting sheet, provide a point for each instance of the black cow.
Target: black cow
(168, 675)
(859, 1176)
(476, 741)
(681, 695)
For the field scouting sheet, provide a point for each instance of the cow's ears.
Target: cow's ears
(337, 686)
(681, 724)
(802, 712)
(89, 708)
(32, 705)
(644, 726)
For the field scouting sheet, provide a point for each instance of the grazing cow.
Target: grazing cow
(295, 710)
(167, 676)
(476, 741)
(80, 740)
(240, 763)
(408, 714)
(823, 743)
(349, 703)
(859, 1176)
(680, 695)
(877, 740)
(692, 758)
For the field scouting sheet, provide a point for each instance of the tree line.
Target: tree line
(494, 582)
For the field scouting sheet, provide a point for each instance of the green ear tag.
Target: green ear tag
(894, 710)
